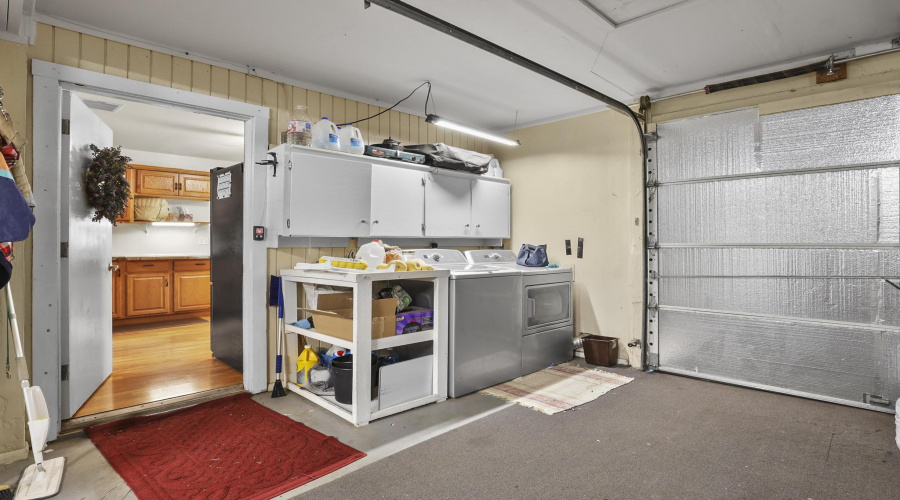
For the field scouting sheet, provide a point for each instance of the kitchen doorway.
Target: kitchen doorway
(160, 257)
(64, 350)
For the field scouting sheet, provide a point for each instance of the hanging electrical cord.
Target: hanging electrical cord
(427, 97)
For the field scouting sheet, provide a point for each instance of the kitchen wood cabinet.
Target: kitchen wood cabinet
(448, 206)
(129, 205)
(398, 202)
(490, 209)
(193, 186)
(118, 289)
(191, 291)
(148, 293)
(162, 184)
(159, 289)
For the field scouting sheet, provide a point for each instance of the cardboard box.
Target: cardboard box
(334, 316)
(414, 319)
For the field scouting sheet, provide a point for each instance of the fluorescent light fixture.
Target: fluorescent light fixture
(173, 224)
(443, 122)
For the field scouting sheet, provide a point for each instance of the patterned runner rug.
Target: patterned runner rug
(558, 388)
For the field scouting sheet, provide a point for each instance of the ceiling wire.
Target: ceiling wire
(398, 103)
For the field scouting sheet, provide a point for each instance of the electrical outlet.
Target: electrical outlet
(204, 241)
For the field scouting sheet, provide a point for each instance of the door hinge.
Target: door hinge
(289, 223)
(423, 227)
(64, 250)
(423, 182)
(290, 165)
(65, 126)
(64, 372)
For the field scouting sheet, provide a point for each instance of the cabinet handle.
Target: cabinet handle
(167, 281)
(362, 221)
(467, 225)
(477, 225)
(375, 221)
(146, 265)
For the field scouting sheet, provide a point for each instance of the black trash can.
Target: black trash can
(342, 368)
(603, 351)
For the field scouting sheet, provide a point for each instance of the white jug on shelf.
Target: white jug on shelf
(351, 139)
(325, 135)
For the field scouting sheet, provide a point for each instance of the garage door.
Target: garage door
(776, 260)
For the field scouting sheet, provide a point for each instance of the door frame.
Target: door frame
(50, 80)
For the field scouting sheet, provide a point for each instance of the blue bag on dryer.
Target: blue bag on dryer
(533, 256)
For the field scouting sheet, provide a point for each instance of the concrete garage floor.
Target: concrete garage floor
(661, 436)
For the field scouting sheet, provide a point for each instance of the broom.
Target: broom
(276, 298)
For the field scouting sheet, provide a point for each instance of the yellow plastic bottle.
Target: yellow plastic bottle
(305, 361)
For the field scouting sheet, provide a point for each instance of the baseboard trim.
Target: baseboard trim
(9, 457)
(158, 319)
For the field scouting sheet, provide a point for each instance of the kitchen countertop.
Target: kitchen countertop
(164, 257)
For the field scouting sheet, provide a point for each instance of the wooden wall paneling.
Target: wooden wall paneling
(182, 74)
(362, 111)
(478, 145)
(254, 90)
(270, 100)
(201, 77)
(161, 69)
(439, 135)
(237, 86)
(350, 115)
(339, 106)
(384, 125)
(404, 128)
(431, 132)
(66, 47)
(138, 64)
(93, 53)
(218, 82)
(470, 143)
(116, 59)
(326, 106)
(414, 129)
(394, 130)
(423, 130)
(42, 49)
(313, 105)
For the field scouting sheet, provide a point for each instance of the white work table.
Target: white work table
(362, 411)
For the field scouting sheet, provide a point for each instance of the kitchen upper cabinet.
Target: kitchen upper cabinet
(398, 202)
(147, 293)
(191, 291)
(448, 206)
(193, 186)
(328, 197)
(490, 209)
(156, 183)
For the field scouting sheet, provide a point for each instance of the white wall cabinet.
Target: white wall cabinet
(323, 194)
(490, 209)
(398, 202)
(329, 197)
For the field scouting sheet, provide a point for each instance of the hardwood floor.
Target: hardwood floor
(158, 361)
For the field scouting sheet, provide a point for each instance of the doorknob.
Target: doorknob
(112, 267)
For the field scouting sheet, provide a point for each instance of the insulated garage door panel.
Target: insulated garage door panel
(775, 237)
(816, 360)
(848, 206)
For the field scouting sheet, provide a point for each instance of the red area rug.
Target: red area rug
(231, 448)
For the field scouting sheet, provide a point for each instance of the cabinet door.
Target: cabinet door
(193, 186)
(490, 209)
(191, 291)
(129, 205)
(118, 290)
(329, 196)
(448, 206)
(156, 183)
(147, 293)
(398, 202)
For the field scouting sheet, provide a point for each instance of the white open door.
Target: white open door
(86, 279)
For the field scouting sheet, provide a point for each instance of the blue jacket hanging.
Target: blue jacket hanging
(16, 218)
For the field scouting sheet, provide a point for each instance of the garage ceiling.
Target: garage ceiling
(659, 47)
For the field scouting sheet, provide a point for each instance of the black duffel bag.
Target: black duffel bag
(443, 156)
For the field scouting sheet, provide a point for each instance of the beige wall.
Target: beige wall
(582, 178)
(63, 46)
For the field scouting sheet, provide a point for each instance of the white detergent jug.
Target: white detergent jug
(351, 140)
(325, 135)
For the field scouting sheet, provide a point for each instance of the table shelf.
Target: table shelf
(361, 285)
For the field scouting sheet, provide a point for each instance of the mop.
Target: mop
(276, 298)
(43, 479)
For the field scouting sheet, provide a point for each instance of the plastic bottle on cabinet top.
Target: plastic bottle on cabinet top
(299, 128)
(325, 135)
(351, 140)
